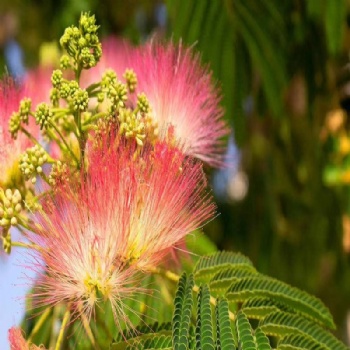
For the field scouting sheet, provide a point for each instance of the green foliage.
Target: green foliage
(204, 326)
(229, 35)
(299, 301)
(208, 266)
(284, 323)
(182, 313)
(225, 337)
(288, 317)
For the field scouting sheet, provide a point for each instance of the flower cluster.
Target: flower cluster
(121, 180)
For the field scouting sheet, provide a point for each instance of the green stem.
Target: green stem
(65, 143)
(90, 89)
(87, 124)
(63, 327)
(39, 323)
(88, 331)
(25, 245)
(29, 135)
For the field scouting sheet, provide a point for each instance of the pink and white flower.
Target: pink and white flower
(17, 341)
(181, 93)
(124, 218)
(10, 149)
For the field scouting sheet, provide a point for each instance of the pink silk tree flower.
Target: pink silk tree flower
(36, 88)
(37, 84)
(181, 93)
(17, 341)
(10, 149)
(161, 194)
(98, 238)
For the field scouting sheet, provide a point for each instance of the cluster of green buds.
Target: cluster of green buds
(59, 175)
(17, 118)
(31, 162)
(82, 43)
(130, 79)
(132, 125)
(10, 207)
(43, 115)
(115, 90)
(68, 90)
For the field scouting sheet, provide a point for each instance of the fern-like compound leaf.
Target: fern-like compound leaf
(222, 280)
(182, 313)
(261, 340)
(259, 308)
(208, 266)
(245, 333)
(281, 324)
(204, 326)
(299, 301)
(299, 342)
(156, 342)
(226, 339)
(142, 332)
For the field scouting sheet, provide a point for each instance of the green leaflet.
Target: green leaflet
(225, 337)
(248, 339)
(282, 323)
(182, 313)
(225, 277)
(288, 317)
(229, 35)
(261, 340)
(294, 298)
(142, 332)
(157, 342)
(245, 333)
(204, 326)
(208, 266)
(298, 342)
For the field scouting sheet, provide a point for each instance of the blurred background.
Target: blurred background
(284, 71)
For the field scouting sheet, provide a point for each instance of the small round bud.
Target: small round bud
(24, 109)
(143, 103)
(43, 115)
(131, 79)
(80, 100)
(65, 62)
(56, 78)
(14, 124)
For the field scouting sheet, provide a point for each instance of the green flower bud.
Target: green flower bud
(31, 162)
(14, 124)
(143, 103)
(131, 79)
(65, 62)
(24, 109)
(80, 100)
(56, 78)
(43, 115)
